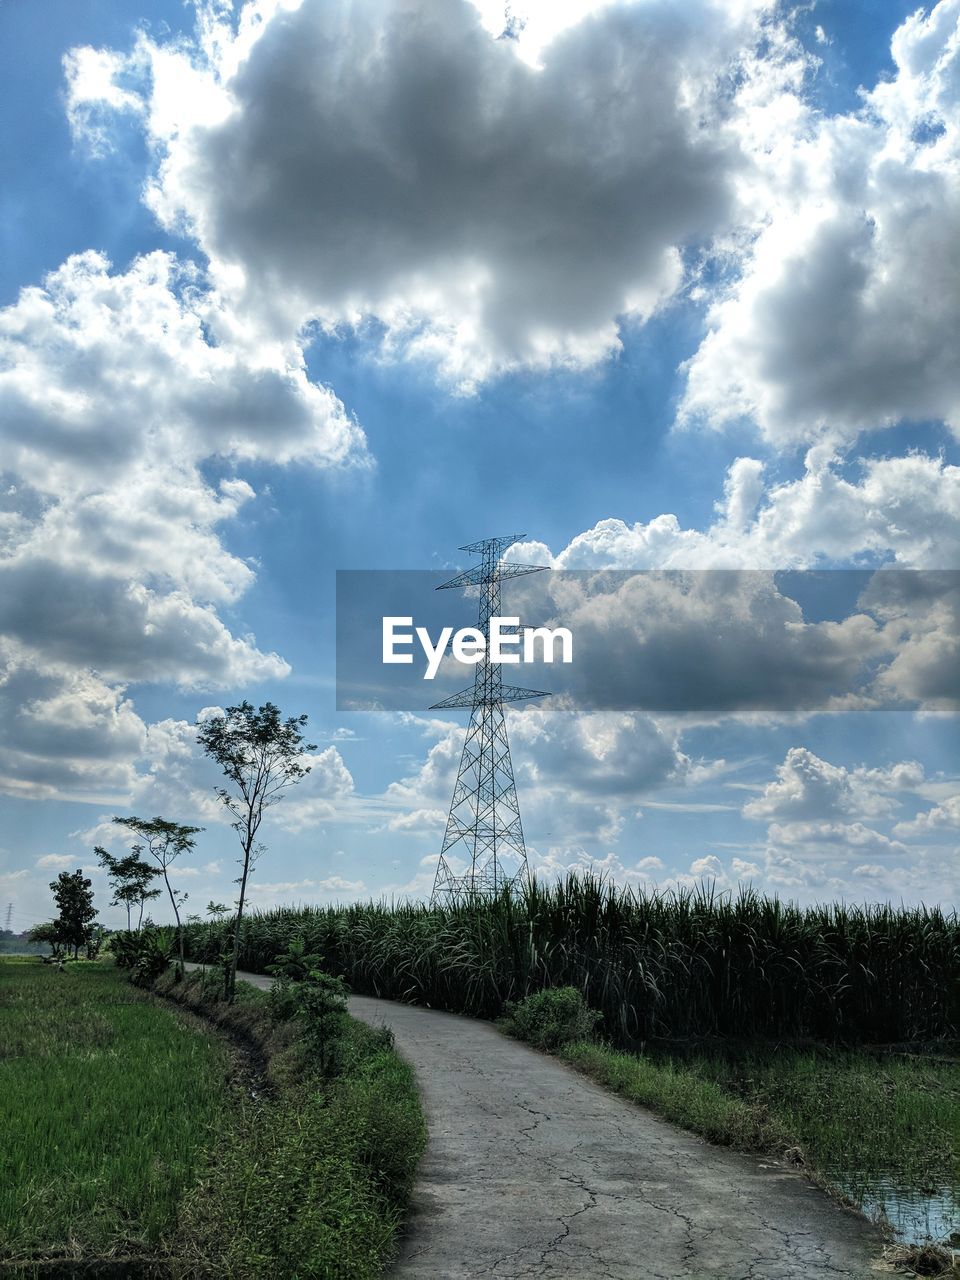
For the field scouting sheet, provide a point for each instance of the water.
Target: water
(915, 1217)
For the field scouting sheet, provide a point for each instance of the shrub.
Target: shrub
(321, 1007)
(296, 963)
(552, 1018)
(123, 946)
(146, 954)
(153, 959)
(313, 1180)
(282, 999)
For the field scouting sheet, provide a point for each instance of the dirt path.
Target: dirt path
(533, 1170)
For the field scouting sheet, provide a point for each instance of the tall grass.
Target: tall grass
(684, 964)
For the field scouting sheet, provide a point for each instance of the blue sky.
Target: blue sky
(289, 287)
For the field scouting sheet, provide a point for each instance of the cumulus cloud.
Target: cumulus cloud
(264, 895)
(707, 644)
(923, 612)
(103, 374)
(116, 389)
(826, 836)
(419, 820)
(382, 167)
(317, 797)
(488, 204)
(940, 818)
(905, 509)
(64, 731)
(575, 773)
(843, 313)
(807, 787)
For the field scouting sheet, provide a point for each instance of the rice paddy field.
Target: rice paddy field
(106, 1101)
(687, 965)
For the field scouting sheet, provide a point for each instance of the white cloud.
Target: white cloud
(337, 884)
(316, 799)
(941, 817)
(575, 773)
(707, 644)
(107, 375)
(843, 315)
(57, 860)
(95, 93)
(418, 820)
(115, 390)
(264, 895)
(809, 788)
(743, 870)
(824, 835)
(922, 612)
(906, 508)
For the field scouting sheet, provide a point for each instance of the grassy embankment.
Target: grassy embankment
(133, 1141)
(832, 1111)
(314, 1178)
(860, 1122)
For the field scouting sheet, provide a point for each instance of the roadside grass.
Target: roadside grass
(856, 1121)
(684, 1096)
(106, 1103)
(314, 1178)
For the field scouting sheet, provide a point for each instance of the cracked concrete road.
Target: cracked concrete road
(531, 1169)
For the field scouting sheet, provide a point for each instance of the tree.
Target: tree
(73, 893)
(260, 755)
(165, 841)
(48, 934)
(129, 878)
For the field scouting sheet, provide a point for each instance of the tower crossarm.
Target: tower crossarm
(492, 546)
(502, 693)
(479, 574)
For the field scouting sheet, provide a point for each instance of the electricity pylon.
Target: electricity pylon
(484, 823)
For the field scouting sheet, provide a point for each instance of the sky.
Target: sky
(297, 286)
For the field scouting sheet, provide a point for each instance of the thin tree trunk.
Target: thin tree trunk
(128, 917)
(140, 918)
(231, 983)
(173, 903)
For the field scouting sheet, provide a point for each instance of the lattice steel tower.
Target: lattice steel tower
(484, 823)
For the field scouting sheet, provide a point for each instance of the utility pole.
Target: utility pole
(484, 825)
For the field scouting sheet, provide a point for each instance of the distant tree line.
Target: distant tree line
(19, 943)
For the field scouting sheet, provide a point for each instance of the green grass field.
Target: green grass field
(106, 1101)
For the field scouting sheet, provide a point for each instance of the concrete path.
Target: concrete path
(533, 1170)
